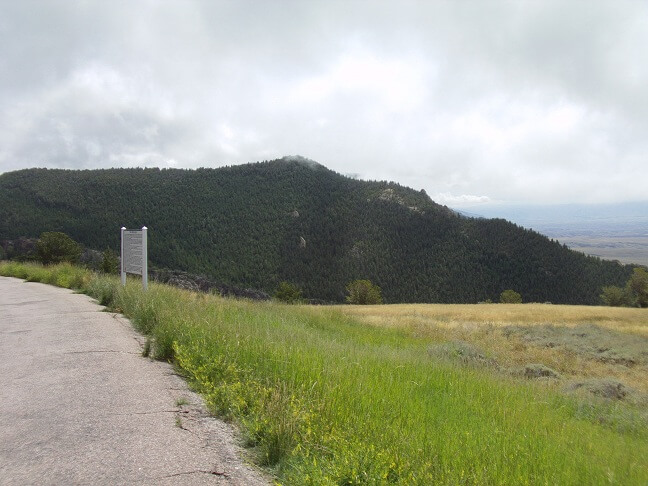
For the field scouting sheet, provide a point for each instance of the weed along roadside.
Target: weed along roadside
(322, 396)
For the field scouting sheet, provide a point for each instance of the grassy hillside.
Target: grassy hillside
(256, 225)
(323, 398)
(590, 346)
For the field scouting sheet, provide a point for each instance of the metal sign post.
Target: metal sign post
(134, 254)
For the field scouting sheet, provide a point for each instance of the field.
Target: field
(405, 394)
(626, 249)
(580, 343)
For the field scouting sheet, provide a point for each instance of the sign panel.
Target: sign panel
(134, 254)
(133, 251)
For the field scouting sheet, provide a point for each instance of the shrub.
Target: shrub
(56, 247)
(635, 293)
(638, 287)
(510, 297)
(363, 292)
(615, 296)
(109, 262)
(289, 293)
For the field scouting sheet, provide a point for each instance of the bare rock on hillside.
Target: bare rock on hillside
(201, 283)
(18, 249)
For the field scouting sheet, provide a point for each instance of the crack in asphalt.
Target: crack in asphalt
(213, 473)
(148, 413)
(90, 351)
(25, 302)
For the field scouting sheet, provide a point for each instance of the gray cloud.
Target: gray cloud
(472, 101)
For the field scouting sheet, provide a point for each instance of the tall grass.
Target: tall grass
(324, 399)
(62, 275)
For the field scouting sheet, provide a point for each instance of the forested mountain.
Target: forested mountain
(291, 219)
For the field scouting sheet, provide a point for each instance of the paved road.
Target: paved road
(80, 405)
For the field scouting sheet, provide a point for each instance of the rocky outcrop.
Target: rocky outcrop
(199, 283)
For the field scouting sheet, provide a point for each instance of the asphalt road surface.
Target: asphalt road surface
(80, 405)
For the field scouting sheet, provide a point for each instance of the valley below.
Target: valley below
(624, 242)
(625, 249)
(616, 232)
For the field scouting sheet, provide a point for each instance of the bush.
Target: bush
(638, 287)
(363, 292)
(289, 293)
(616, 296)
(109, 262)
(510, 297)
(56, 247)
(635, 293)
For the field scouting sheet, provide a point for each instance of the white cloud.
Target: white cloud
(457, 201)
(394, 84)
(541, 101)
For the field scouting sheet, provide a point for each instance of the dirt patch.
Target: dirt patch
(589, 340)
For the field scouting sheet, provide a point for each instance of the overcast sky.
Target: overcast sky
(517, 102)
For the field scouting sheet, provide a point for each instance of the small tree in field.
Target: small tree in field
(616, 296)
(56, 247)
(363, 292)
(635, 293)
(289, 293)
(510, 297)
(637, 286)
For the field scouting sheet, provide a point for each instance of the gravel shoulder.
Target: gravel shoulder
(80, 405)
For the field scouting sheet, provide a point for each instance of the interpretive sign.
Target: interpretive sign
(134, 254)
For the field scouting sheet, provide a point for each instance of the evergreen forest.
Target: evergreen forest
(293, 220)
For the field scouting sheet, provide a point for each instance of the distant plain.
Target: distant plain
(625, 249)
(609, 231)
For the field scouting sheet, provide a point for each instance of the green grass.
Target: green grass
(324, 399)
(181, 401)
(62, 275)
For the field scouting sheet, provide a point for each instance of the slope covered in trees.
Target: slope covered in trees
(293, 220)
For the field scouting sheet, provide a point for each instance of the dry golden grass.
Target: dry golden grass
(486, 325)
(461, 315)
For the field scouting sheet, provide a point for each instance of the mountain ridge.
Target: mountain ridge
(293, 219)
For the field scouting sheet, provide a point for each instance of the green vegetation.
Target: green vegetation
(243, 226)
(324, 399)
(57, 247)
(288, 293)
(61, 275)
(616, 296)
(634, 294)
(363, 292)
(510, 297)
(638, 287)
(181, 401)
(109, 261)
